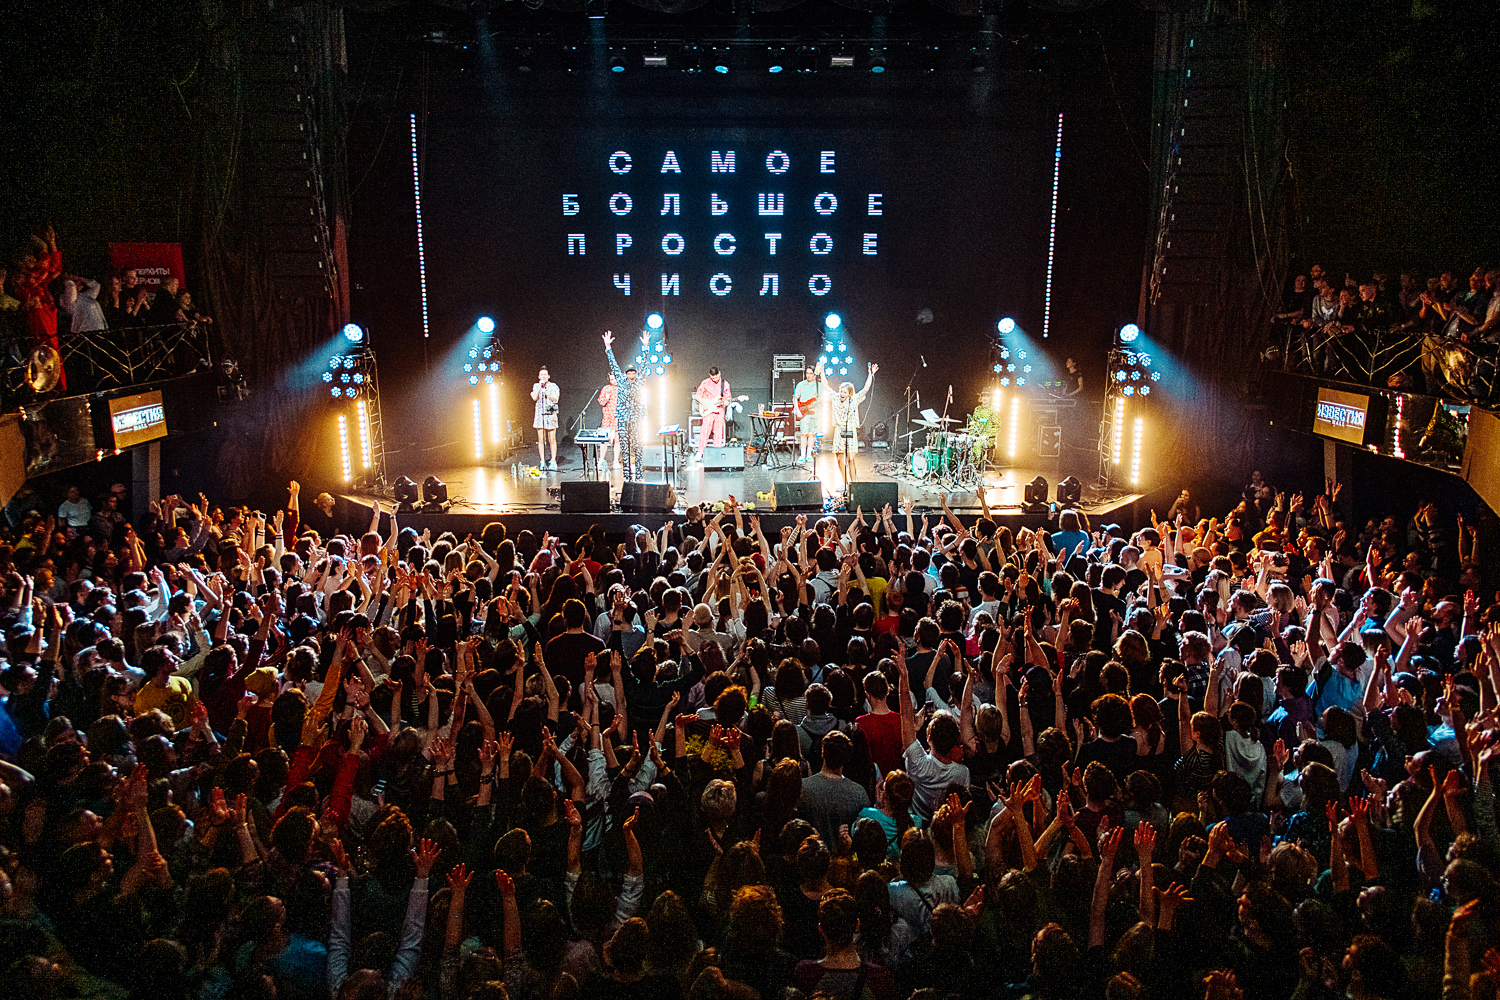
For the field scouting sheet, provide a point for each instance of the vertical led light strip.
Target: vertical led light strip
(416, 188)
(1051, 232)
(1400, 417)
(662, 388)
(1119, 429)
(494, 413)
(363, 412)
(1015, 421)
(344, 447)
(1135, 451)
(478, 431)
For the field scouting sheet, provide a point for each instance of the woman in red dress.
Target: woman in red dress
(607, 402)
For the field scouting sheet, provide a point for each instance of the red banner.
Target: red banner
(152, 262)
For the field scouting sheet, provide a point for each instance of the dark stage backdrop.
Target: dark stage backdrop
(919, 235)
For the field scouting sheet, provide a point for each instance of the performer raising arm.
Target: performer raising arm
(846, 421)
(627, 409)
(545, 393)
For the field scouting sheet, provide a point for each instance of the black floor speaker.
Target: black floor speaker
(581, 496)
(873, 496)
(801, 495)
(649, 498)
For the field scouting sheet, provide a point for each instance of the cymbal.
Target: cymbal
(928, 424)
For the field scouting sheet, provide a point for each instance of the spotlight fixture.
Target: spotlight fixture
(406, 494)
(877, 60)
(485, 324)
(690, 59)
(1070, 491)
(616, 63)
(841, 60)
(805, 59)
(775, 59)
(654, 321)
(1034, 496)
(719, 59)
(1128, 333)
(654, 60)
(434, 491)
(354, 333)
(1006, 325)
(833, 321)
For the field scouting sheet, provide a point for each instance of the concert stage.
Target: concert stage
(525, 499)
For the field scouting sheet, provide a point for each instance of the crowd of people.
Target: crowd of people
(1435, 335)
(894, 756)
(38, 298)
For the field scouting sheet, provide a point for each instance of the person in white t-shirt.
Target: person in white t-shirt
(931, 771)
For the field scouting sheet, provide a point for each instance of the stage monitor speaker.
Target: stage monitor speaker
(653, 456)
(803, 495)
(874, 496)
(648, 498)
(580, 496)
(730, 456)
(1070, 491)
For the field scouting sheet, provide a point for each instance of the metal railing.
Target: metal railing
(1395, 358)
(109, 359)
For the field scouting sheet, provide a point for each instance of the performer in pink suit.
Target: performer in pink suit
(713, 396)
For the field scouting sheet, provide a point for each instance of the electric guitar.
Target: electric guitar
(712, 408)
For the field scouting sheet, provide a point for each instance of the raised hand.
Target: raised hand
(425, 855)
(1145, 842)
(458, 879)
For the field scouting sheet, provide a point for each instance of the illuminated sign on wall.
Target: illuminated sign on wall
(137, 419)
(1341, 415)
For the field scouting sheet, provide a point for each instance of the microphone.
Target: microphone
(924, 360)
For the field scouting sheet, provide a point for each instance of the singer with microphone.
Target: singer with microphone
(607, 396)
(845, 429)
(545, 392)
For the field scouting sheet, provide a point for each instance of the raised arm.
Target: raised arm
(903, 696)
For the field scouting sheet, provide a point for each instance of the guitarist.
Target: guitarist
(805, 394)
(713, 396)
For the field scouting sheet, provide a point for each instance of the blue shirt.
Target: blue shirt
(1340, 690)
(1070, 540)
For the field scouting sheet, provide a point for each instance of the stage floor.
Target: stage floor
(515, 486)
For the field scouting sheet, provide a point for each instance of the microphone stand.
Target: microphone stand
(905, 411)
(577, 423)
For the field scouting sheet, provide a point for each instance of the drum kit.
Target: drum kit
(951, 457)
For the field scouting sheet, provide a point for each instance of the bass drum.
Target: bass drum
(920, 466)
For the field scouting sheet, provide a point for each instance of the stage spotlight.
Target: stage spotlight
(877, 60)
(616, 64)
(775, 59)
(1128, 333)
(434, 490)
(655, 60)
(406, 494)
(719, 59)
(485, 324)
(1034, 496)
(841, 60)
(1070, 492)
(354, 333)
(833, 321)
(805, 59)
(654, 321)
(1006, 325)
